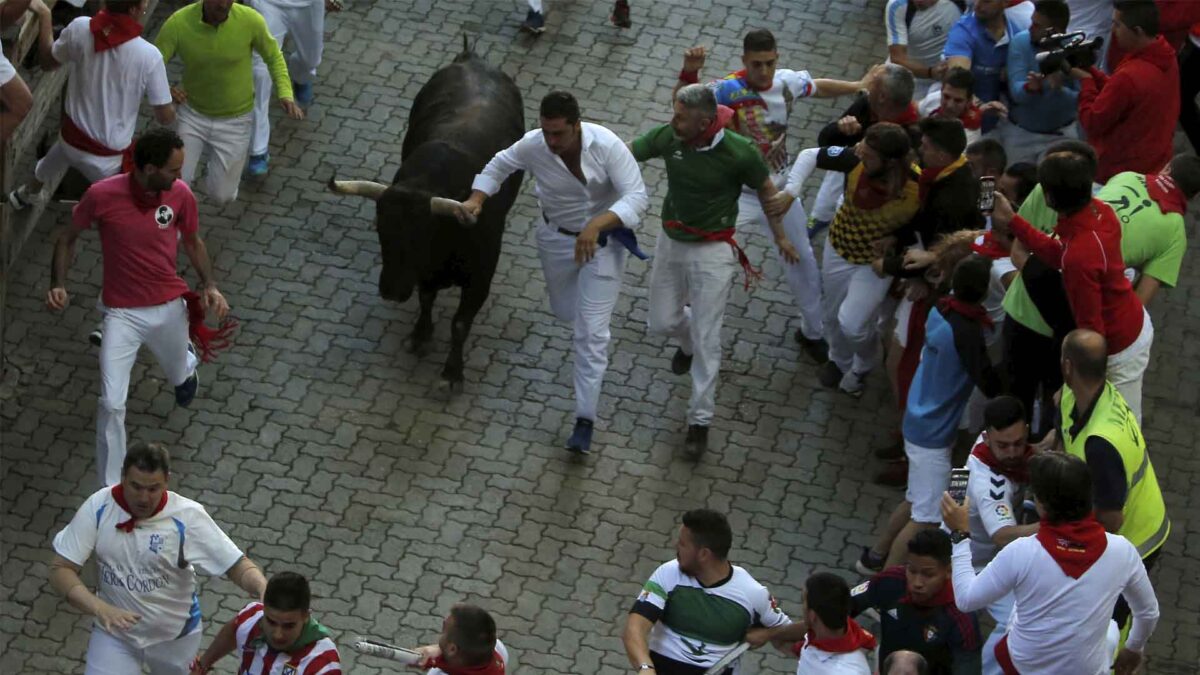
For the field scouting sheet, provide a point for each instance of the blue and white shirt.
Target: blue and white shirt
(989, 57)
(152, 570)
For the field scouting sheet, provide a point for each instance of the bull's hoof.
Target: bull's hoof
(450, 388)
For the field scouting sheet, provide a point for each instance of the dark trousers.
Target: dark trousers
(1031, 363)
(1189, 83)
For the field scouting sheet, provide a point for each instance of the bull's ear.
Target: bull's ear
(440, 206)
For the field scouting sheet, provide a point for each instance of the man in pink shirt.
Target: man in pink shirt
(141, 217)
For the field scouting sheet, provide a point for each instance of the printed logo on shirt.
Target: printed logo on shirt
(156, 543)
(164, 216)
(695, 650)
(289, 670)
(1002, 511)
(835, 150)
(644, 596)
(775, 605)
(930, 633)
(860, 589)
(678, 154)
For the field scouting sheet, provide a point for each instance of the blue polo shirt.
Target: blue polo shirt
(989, 58)
(1043, 112)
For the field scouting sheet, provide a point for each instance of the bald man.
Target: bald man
(904, 662)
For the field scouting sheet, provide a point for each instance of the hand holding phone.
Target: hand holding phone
(958, 484)
(987, 194)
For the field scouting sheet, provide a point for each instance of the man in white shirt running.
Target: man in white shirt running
(467, 645)
(111, 68)
(148, 542)
(761, 97)
(591, 192)
(1065, 580)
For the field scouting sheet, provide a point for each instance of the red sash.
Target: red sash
(208, 341)
(1004, 658)
(77, 138)
(752, 274)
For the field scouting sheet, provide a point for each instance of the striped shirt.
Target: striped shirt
(318, 658)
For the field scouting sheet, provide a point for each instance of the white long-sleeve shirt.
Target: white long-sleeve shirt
(614, 180)
(1059, 623)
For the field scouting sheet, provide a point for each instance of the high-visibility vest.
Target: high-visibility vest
(1146, 523)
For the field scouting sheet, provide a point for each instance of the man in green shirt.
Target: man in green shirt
(696, 257)
(215, 39)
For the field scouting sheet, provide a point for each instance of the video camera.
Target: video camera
(1063, 51)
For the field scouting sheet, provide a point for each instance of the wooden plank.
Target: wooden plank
(29, 33)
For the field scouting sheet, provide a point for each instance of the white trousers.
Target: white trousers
(584, 295)
(306, 26)
(1000, 610)
(227, 139)
(702, 274)
(928, 477)
(804, 277)
(535, 5)
(829, 196)
(162, 328)
(110, 655)
(853, 296)
(1127, 367)
(61, 157)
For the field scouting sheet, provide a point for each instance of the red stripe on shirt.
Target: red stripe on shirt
(322, 660)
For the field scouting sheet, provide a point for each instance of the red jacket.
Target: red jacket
(1088, 251)
(1129, 117)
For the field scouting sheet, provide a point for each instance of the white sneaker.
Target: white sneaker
(21, 199)
(853, 383)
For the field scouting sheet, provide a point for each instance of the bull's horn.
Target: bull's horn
(361, 188)
(440, 206)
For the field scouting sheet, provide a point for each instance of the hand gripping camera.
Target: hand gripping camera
(1063, 51)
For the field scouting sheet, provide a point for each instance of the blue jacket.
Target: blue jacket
(1043, 112)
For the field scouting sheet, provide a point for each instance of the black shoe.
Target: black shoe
(869, 564)
(96, 337)
(817, 350)
(534, 23)
(681, 363)
(830, 375)
(581, 438)
(697, 442)
(186, 392)
(620, 14)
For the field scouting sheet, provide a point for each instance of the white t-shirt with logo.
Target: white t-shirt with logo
(762, 116)
(993, 503)
(926, 36)
(152, 570)
(815, 661)
(105, 89)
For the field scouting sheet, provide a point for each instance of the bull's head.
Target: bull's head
(404, 220)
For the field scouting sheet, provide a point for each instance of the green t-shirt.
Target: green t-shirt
(703, 186)
(1152, 242)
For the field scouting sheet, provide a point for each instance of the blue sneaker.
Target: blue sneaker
(186, 392)
(534, 23)
(581, 438)
(303, 93)
(257, 166)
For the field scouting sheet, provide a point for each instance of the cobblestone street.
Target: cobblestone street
(323, 446)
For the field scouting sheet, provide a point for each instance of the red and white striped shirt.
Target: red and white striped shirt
(318, 658)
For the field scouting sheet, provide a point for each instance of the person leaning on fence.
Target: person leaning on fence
(15, 98)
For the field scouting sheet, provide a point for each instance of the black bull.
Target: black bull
(464, 115)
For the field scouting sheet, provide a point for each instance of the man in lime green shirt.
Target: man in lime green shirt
(696, 257)
(215, 40)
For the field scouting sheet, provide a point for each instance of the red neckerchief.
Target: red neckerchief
(113, 30)
(933, 174)
(854, 639)
(944, 597)
(741, 75)
(869, 194)
(493, 667)
(988, 247)
(909, 116)
(1075, 546)
(144, 199)
(118, 495)
(1163, 190)
(724, 115)
(975, 313)
(1020, 474)
(972, 118)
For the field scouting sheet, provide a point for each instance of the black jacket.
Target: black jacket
(951, 205)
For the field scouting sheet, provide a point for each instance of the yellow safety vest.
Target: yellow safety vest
(1146, 523)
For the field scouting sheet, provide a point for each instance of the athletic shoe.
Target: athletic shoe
(620, 14)
(581, 438)
(830, 375)
(817, 350)
(815, 226)
(186, 392)
(869, 564)
(853, 383)
(696, 443)
(534, 23)
(21, 199)
(257, 166)
(303, 93)
(681, 362)
(96, 337)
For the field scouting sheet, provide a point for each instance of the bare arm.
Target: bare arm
(45, 35)
(64, 579)
(210, 297)
(1111, 519)
(164, 114)
(249, 577)
(1147, 287)
(637, 639)
(15, 103)
(224, 643)
(1005, 535)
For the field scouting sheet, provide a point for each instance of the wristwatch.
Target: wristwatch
(958, 535)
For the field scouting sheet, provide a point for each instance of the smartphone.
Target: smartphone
(958, 484)
(987, 194)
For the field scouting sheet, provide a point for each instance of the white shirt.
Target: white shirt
(152, 570)
(614, 181)
(105, 89)
(500, 649)
(992, 506)
(7, 72)
(1093, 17)
(762, 116)
(814, 661)
(927, 35)
(1058, 623)
(993, 302)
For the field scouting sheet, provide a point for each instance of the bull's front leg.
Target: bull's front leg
(418, 342)
(460, 328)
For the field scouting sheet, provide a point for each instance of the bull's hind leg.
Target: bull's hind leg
(460, 328)
(418, 342)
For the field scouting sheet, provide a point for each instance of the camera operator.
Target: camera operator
(1129, 117)
(1043, 104)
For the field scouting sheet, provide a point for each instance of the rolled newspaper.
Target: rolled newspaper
(383, 650)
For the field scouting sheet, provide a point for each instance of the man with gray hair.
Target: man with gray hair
(696, 256)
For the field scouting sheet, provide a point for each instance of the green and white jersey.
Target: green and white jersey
(698, 625)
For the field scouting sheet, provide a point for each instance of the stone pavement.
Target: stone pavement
(322, 446)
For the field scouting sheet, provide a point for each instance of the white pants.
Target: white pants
(829, 196)
(227, 139)
(1000, 610)
(1127, 367)
(535, 5)
(928, 478)
(702, 274)
(853, 296)
(1021, 145)
(60, 157)
(803, 278)
(584, 295)
(162, 328)
(306, 26)
(110, 655)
